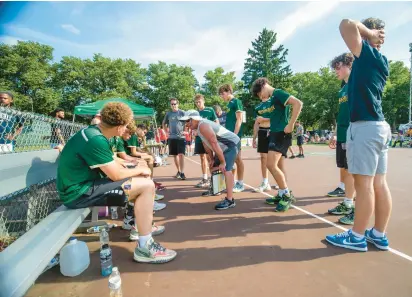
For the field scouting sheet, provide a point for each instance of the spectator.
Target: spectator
(10, 125)
(60, 132)
(88, 176)
(221, 115)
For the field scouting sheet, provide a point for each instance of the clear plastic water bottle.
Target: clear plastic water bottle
(104, 237)
(74, 258)
(115, 214)
(106, 262)
(115, 283)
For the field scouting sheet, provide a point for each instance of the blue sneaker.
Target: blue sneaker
(348, 241)
(381, 243)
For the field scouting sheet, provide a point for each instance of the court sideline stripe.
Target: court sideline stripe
(396, 252)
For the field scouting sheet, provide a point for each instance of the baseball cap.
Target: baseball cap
(191, 114)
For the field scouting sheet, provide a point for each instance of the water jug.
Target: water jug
(74, 258)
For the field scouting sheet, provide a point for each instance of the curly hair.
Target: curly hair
(258, 85)
(225, 88)
(374, 23)
(345, 58)
(116, 114)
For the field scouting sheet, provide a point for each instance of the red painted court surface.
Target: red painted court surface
(251, 250)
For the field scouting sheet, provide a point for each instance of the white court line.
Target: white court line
(396, 252)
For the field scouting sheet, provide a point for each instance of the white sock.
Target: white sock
(357, 235)
(342, 186)
(144, 239)
(204, 176)
(240, 182)
(348, 202)
(284, 191)
(265, 181)
(376, 233)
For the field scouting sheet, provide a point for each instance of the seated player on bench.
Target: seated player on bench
(88, 176)
(222, 148)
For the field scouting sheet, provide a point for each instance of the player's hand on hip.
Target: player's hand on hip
(288, 129)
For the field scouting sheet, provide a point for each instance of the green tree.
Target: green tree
(264, 60)
(26, 70)
(169, 81)
(395, 102)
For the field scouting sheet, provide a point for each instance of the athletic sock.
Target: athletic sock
(376, 233)
(342, 186)
(283, 192)
(357, 235)
(348, 202)
(204, 176)
(265, 181)
(144, 239)
(240, 182)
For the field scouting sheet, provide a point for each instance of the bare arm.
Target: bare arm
(296, 109)
(352, 33)
(117, 172)
(208, 133)
(255, 129)
(238, 122)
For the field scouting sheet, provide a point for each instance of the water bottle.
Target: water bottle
(115, 283)
(106, 263)
(104, 237)
(114, 212)
(74, 258)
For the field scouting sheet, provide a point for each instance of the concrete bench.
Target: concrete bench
(41, 236)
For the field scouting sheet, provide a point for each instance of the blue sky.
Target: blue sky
(203, 35)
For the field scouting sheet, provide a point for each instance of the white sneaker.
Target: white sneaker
(159, 197)
(156, 230)
(263, 187)
(158, 206)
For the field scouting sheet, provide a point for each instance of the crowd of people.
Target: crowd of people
(103, 164)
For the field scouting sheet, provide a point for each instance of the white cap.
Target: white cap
(191, 114)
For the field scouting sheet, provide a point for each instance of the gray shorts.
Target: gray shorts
(367, 146)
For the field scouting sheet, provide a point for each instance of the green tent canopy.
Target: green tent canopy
(90, 109)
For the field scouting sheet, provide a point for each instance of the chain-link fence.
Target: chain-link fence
(22, 210)
(25, 131)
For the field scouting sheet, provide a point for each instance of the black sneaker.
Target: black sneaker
(182, 176)
(301, 156)
(338, 192)
(178, 174)
(292, 157)
(225, 204)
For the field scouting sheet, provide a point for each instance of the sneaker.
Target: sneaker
(341, 209)
(177, 175)
(128, 223)
(182, 176)
(156, 230)
(292, 157)
(158, 197)
(348, 219)
(225, 204)
(301, 156)
(204, 183)
(263, 187)
(273, 200)
(381, 243)
(347, 240)
(238, 188)
(158, 206)
(338, 192)
(285, 202)
(153, 252)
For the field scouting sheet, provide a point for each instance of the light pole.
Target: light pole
(410, 87)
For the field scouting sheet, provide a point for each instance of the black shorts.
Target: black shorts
(263, 140)
(299, 140)
(177, 147)
(188, 142)
(341, 160)
(280, 142)
(199, 148)
(104, 192)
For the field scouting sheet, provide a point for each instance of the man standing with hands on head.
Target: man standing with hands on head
(368, 135)
(177, 140)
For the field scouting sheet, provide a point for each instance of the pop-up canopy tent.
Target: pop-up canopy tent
(91, 109)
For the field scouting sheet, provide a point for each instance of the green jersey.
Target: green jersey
(128, 144)
(116, 145)
(207, 113)
(264, 110)
(343, 115)
(235, 106)
(80, 162)
(279, 117)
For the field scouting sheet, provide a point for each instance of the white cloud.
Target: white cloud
(10, 40)
(70, 28)
(305, 15)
